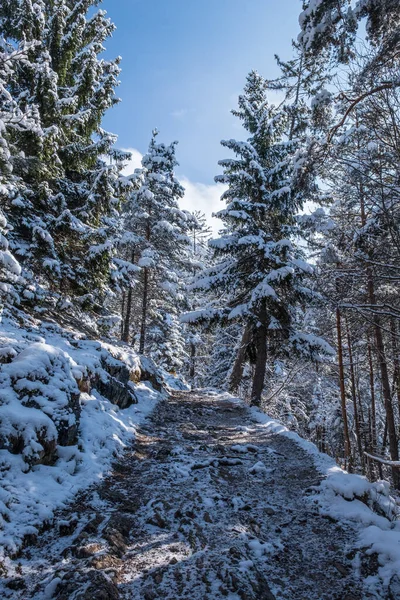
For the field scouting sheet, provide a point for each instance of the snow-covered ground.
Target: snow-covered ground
(44, 367)
(352, 498)
(214, 501)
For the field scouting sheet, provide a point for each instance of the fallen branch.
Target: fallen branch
(390, 463)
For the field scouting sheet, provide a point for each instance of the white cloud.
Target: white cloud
(134, 163)
(203, 197)
(198, 196)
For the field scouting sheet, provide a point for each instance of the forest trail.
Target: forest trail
(206, 505)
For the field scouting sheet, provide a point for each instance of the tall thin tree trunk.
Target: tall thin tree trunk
(261, 360)
(122, 315)
(236, 375)
(143, 328)
(127, 320)
(373, 402)
(192, 371)
(347, 443)
(354, 397)
(396, 361)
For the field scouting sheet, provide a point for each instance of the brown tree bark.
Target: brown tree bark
(347, 443)
(143, 326)
(128, 311)
(236, 375)
(192, 371)
(354, 398)
(396, 362)
(387, 394)
(261, 360)
(373, 402)
(122, 315)
(127, 320)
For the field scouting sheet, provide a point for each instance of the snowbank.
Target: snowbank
(352, 498)
(58, 431)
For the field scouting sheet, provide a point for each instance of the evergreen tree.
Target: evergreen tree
(12, 120)
(259, 272)
(157, 243)
(64, 219)
(330, 27)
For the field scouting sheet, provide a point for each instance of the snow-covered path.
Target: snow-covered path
(207, 505)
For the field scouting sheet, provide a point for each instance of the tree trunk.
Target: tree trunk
(347, 444)
(122, 315)
(261, 360)
(143, 328)
(236, 375)
(396, 362)
(127, 321)
(354, 397)
(192, 371)
(373, 403)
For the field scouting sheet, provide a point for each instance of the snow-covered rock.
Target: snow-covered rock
(68, 406)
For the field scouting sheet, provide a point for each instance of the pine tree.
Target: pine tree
(156, 242)
(259, 271)
(12, 120)
(65, 219)
(330, 27)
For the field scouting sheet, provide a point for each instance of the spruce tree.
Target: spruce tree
(156, 244)
(259, 272)
(65, 219)
(13, 121)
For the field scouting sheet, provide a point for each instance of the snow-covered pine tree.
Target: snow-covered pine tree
(329, 27)
(12, 121)
(64, 218)
(157, 233)
(196, 341)
(259, 272)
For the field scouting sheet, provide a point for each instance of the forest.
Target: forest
(113, 297)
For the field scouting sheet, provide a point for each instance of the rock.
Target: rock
(149, 594)
(88, 550)
(116, 392)
(106, 561)
(16, 584)
(158, 576)
(91, 585)
(157, 520)
(117, 541)
(119, 384)
(116, 533)
(341, 568)
(149, 373)
(67, 527)
(93, 525)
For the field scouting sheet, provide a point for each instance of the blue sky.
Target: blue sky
(184, 64)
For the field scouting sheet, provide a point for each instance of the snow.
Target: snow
(45, 365)
(353, 499)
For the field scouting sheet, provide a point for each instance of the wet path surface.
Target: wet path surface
(206, 505)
